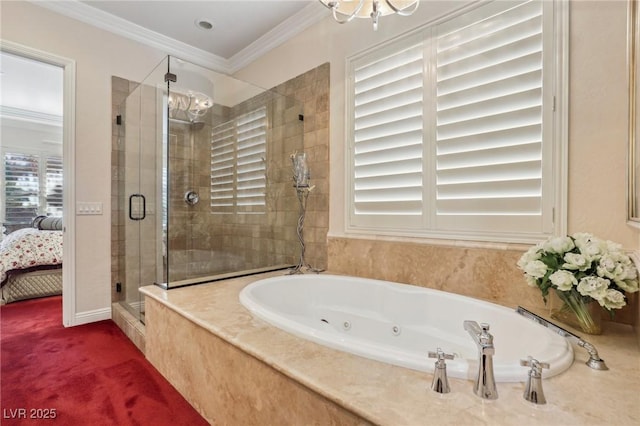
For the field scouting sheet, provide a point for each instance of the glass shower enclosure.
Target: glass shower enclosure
(207, 189)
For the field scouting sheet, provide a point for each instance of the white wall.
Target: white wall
(98, 55)
(597, 102)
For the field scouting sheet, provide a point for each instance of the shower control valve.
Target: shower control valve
(191, 198)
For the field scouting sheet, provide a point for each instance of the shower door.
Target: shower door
(144, 130)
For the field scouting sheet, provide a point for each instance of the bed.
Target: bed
(31, 262)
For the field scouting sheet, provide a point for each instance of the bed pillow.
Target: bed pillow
(48, 223)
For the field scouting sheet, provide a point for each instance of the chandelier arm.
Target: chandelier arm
(334, 5)
(402, 12)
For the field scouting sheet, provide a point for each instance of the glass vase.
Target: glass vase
(579, 312)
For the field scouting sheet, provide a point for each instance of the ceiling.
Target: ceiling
(236, 24)
(242, 30)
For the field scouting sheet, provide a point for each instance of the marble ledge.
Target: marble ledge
(390, 395)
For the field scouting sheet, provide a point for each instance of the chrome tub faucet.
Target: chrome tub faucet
(485, 384)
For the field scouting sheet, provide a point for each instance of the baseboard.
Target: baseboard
(92, 316)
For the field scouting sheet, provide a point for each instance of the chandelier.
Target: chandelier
(188, 106)
(345, 10)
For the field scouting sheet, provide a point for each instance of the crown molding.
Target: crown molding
(23, 115)
(292, 26)
(295, 24)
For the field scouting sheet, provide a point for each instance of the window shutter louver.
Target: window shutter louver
(489, 121)
(251, 163)
(388, 127)
(238, 164)
(222, 165)
(22, 188)
(54, 186)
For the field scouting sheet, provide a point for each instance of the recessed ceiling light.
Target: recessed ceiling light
(204, 24)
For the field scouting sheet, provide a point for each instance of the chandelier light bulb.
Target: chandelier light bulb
(344, 11)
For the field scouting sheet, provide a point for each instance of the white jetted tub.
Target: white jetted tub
(399, 324)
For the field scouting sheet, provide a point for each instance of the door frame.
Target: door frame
(68, 169)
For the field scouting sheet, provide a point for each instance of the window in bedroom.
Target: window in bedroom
(238, 164)
(32, 187)
(456, 130)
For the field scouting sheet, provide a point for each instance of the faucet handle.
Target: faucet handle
(440, 355)
(533, 390)
(536, 366)
(440, 381)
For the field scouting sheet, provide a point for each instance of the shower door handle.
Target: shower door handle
(138, 215)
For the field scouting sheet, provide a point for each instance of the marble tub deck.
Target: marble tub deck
(390, 395)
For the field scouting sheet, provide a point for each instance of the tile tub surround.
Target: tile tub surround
(473, 270)
(226, 361)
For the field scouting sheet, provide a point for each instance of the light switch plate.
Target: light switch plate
(88, 208)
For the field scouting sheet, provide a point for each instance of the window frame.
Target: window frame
(555, 26)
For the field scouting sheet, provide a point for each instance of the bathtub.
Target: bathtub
(400, 324)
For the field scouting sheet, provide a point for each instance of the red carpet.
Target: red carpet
(86, 375)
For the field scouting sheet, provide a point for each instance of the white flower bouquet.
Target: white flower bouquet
(581, 269)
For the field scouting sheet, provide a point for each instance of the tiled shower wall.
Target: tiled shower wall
(250, 241)
(312, 89)
(256, 237)
(246, 239)
(120, 88)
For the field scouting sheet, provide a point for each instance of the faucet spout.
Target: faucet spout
(485, 384)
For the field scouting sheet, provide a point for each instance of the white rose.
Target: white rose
(536, 269)
(558, 245)
(613, 299)
(564, 280)
(593, 250)
(576, 262)
(594, 287)
(531, 281)
(613, 247)
(609, 267)
(590, 247)
(529, 256)
(630, 286)
(581, 238)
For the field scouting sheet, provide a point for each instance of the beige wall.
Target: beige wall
(98, 55)
(597, 103)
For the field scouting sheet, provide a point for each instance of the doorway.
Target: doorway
(38, 110)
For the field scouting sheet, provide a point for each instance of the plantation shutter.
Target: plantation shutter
(387, 141)
(238, 164)
(22, 188)
(489, 120)
(453, 130)
(222, 167)
(251, 162)
(54, 186)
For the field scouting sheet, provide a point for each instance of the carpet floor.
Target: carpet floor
(86, 375)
